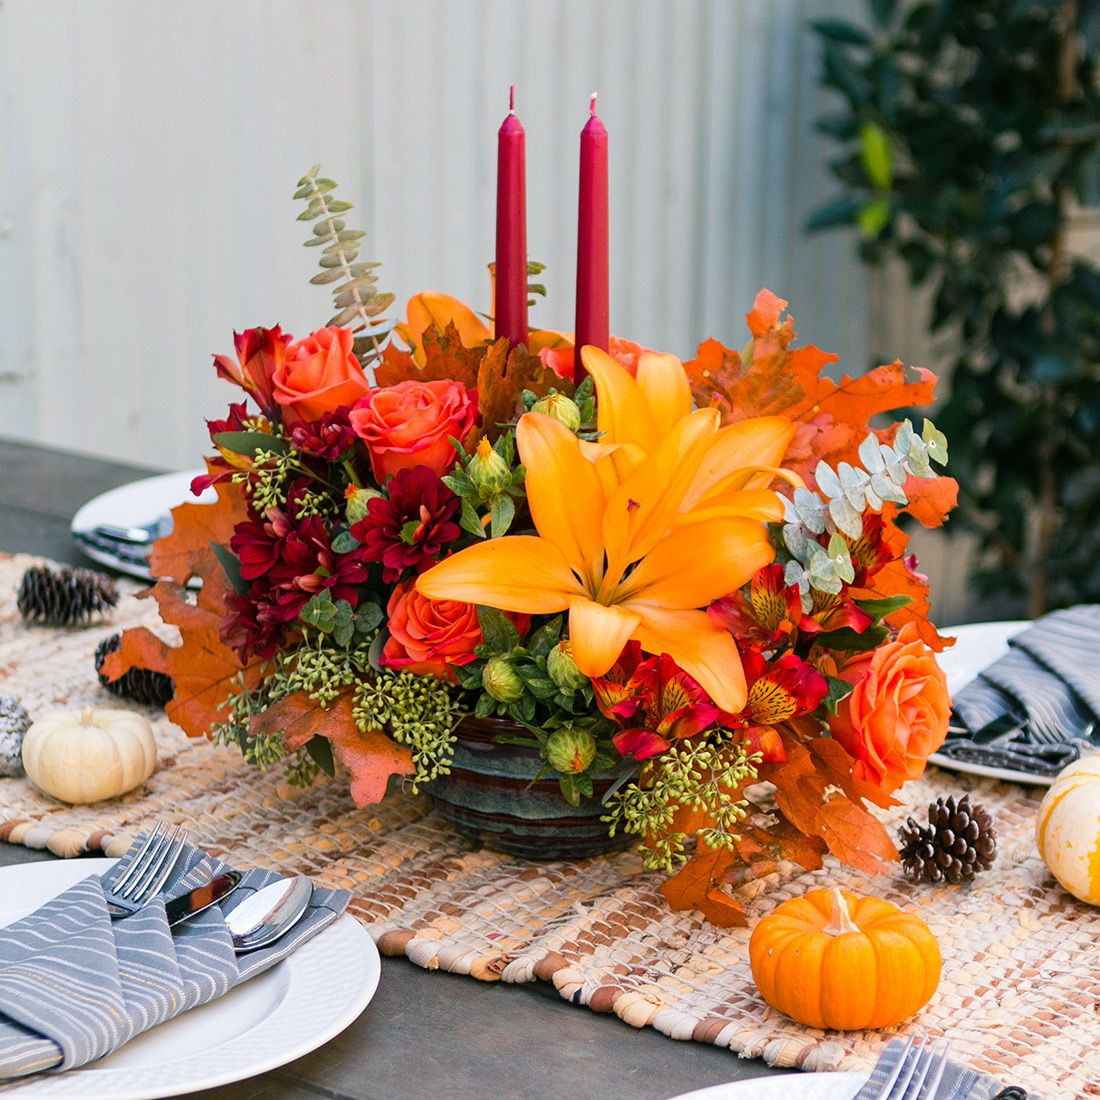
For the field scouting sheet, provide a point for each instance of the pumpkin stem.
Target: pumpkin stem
(841, 921)
(86, 717)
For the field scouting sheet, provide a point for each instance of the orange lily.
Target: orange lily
(616, 547)
(430, 309)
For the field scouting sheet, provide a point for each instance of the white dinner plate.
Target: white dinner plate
(978, 646)
(789, 1086)
(287, 1011)
(134, 505)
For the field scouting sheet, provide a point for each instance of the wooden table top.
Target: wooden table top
(439, 1036)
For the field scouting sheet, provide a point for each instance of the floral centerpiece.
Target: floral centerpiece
(688, 576)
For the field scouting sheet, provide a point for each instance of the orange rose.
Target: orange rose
(897, 713)
(559, 358)
(319, 374)
(410, 424)
(426, 636)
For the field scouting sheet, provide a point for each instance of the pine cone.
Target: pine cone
(958, 841)
(64, 597)
(14, 723)
(142, 685)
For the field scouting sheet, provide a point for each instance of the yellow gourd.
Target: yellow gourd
(834, 960)
(83, 756)
(1067, 831)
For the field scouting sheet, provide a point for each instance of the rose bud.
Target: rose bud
(569, 751)
(501, 680)
(560, 408)
(563, 669)
(487, 471)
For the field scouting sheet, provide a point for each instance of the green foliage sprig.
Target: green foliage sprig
(358, 302)
(968, 135)
(488, 480)
(698, 773)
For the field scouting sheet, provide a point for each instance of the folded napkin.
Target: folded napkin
(74, 985)
(958, 1082)
(1037, 708)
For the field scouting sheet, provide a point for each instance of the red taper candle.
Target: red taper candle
(592, 241)
(511, 265)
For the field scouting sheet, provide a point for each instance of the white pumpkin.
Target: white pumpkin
(1068, 829)
(85, 756)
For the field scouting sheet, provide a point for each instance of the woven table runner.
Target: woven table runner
(1019, 997)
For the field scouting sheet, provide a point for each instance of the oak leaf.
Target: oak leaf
(203, 669)
(816, 804)
(370, 758)
(698, 885)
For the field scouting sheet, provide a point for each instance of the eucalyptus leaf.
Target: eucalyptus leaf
(231, 565)
(320, 750)
(249, 443)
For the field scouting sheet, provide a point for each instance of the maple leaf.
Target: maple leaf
(445, 357)
(698, 885)
(194, 527)
(501, 380)
(761, 848)
(371, 757)
(809, 798)
(203, 668)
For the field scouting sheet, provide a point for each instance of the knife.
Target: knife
(202, 897)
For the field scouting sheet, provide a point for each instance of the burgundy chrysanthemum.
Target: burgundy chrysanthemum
(411, 528)
(288, 559)
(325, 438)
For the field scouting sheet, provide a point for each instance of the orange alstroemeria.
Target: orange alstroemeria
(432, 310)
(616, 547)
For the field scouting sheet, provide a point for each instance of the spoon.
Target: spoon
(269, 913)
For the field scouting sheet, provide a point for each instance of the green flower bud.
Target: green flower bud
(563, 669)
(357, 501)
(488, 472)
(570, 750)
(561, 408)
(501, 680)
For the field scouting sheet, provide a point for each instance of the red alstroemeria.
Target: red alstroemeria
(780, 690)
(260, 351)
(832, 612)
(765, 742)
(234, 422)
(870, 552)
(771, 609)
(412, 528)
(656, 700)
(328, 437)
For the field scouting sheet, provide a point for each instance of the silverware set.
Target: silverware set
(257, 922)
(919, 1072)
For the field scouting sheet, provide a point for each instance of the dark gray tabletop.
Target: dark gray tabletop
(424, 1034)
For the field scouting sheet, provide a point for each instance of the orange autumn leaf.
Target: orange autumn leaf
(445, 357)
(698, 885)
(194, 527)
(371, 757)
(501, 380)
(203, 668)
(811, 801)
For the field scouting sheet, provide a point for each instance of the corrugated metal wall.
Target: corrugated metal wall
(148, 151)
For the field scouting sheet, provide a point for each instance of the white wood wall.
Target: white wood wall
(148, 150)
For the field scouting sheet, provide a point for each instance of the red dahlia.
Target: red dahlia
(327, 437)
(411, 528)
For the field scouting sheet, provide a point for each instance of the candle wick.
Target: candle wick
(592, 104)
(511, 99)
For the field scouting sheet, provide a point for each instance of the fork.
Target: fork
(148, 871)
(910, 1078)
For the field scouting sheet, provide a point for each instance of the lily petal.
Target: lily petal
(564, 492)
(665, 387)
(644, 506)
(760, 441)
(700, 648)
(736, 549)
(598, 633)
(761, 504)
(622, 412)
(519, 573)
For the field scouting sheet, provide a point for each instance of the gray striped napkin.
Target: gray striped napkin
(1038, 707)
(959, 1083)
(75, 986)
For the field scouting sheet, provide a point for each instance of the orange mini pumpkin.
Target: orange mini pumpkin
(834, 960)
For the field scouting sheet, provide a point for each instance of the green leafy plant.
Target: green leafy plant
(969, 133)
(359, 304)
